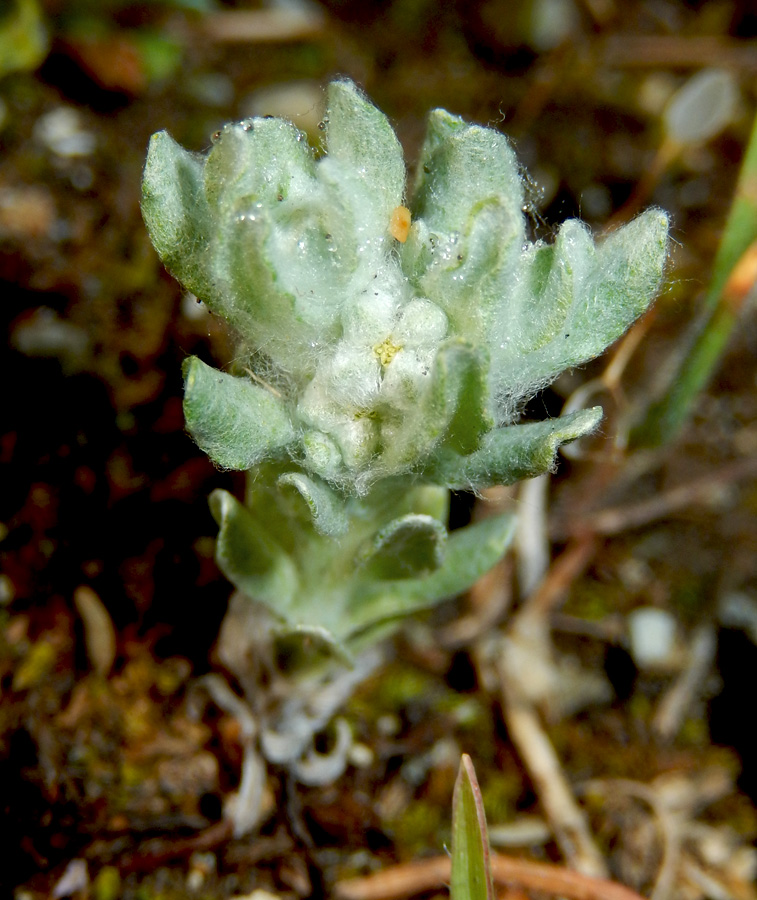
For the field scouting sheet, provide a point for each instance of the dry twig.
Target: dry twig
(532, 534)
(413, 878)
(669, 821)
(675, 703)
(565, 816)
(256, 26)
(161, 851)
(531, 626)
(562, 573)
(623, 50)
(705, 490)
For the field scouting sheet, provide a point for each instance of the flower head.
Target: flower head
(400, 343)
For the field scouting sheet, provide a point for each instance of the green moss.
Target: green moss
(501, 791)
(694, 732)
(422, 827)
(107, 884)
(689, 597)
(591, 600)
(399, 686)
(36, 666)
(640, 707)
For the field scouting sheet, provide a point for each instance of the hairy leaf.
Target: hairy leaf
(236, 422)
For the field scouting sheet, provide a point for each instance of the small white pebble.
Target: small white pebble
(195, 880)
(74, 880)
(652, 635)
(703, 107)
(7, 588)
(202, 865)
(45, 333)
(61, 131)
(361, 756)
(388, 725)
(551, 23)
(300, 101)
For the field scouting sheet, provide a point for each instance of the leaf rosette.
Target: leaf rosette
(380, 362)
(378, 358)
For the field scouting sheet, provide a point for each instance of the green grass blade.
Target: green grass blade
(665, 419)
(471, 877)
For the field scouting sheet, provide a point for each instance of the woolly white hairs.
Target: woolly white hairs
(393, 342)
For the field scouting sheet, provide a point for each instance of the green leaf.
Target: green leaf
(441, 127)
(424, 499)
(469, 553)
(253, 300)
(453, 409)
(512, 453)
(723, 311)
(361, 140)
(250, 558)
(468, 273)
(462, 166)
(408, 547)
(176, 213)
(590, 296)
(258, 160)
(325, 506)
(285, 245)
(570, 260)
(626, 278)
(346, 608)
(471, 876)
(630, 264)
(460, 397)
(237, 423)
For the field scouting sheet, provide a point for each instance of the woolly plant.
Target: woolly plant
(389, 336)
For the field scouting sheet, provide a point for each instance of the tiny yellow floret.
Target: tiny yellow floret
(386, 351)
(399, 223)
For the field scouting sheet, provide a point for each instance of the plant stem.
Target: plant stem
(732, 282)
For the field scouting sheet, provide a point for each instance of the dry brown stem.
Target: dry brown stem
(623, 50)
(562, 573)
(257, 26)
(704, 490)
(676, 702)
(413, 878)
(565, 816)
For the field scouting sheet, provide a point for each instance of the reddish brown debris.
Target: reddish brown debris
(413, 878)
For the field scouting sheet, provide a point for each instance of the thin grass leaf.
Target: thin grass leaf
(471, 877)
